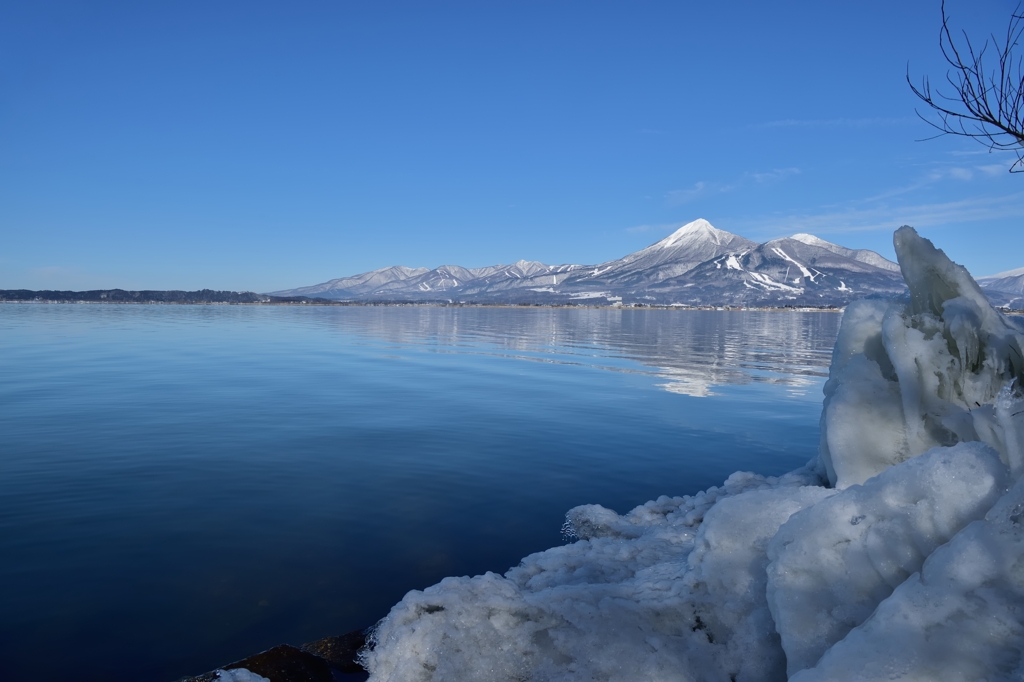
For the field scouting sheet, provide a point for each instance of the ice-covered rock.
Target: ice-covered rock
(896, 554)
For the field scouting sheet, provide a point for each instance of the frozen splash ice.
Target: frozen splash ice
(868, 563)
(910, 376)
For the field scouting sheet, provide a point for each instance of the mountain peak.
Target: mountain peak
(699, 229)
(1009, 273)
(810, 239)
(695, 225)
(862, 255)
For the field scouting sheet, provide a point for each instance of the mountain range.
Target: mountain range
(1006, 288)
(697, 265)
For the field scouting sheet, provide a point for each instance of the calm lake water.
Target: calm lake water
(183, 486)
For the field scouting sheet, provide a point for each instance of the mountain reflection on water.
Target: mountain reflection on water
(693, 350)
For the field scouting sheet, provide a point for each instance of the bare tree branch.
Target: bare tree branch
(988, 105)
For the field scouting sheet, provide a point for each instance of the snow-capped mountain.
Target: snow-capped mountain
(697, 264)
(680, 252)
(1010, 281)
(1005, 288)
(863, 255)
(449, 278)
(359, 285)
(784, 271)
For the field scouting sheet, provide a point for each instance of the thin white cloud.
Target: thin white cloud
(833, 122)
(968, 173)
(860, 219)
(49, 273)
(938, 173)
(994, 168)
(703, 188)
(960, 173)
(659, 227)
(684, 196)
(62, 277)
(978, 152)
(895, 192)
(774, 175)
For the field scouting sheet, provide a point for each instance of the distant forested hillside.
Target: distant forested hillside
(122, 296)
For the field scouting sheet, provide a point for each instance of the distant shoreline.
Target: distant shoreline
(212, 297)
(248, 298)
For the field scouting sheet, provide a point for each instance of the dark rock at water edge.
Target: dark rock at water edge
(341, 651)
(332, 659)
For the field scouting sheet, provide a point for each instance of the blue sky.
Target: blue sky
(262, 146)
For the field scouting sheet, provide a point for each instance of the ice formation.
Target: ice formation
(897, 553)
(240, 675)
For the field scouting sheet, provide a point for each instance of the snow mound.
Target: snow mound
(960, 618)
(897, 553)
(240, 675)
(586, 610)
(832, 564)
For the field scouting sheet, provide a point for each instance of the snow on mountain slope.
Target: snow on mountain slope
(681, 251)
(782, 271)
(440, 280)
(1011, 281)
(356, 285)
(862, 255)
(1018, 272)
(1005, 288)
(451, 279)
